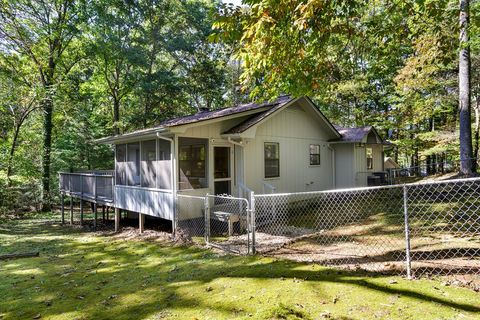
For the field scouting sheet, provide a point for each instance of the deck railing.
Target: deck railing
(94, 185)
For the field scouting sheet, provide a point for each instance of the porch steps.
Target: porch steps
(228, 217)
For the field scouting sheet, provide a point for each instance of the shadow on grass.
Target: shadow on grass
(123, 279)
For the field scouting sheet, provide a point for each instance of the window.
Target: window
(272, 160)
(314, 154)
(192, 156)
(149, 163)
(369, 158)
(133, 164)
(120, 164)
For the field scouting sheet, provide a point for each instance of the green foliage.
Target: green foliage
(392, 64)
(103, 66)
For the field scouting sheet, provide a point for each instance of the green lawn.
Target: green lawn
(80, 275)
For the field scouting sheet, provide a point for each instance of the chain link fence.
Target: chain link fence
(444, 227)
(190, 218)
(417, 229)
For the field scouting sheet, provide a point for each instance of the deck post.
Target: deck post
(71, 210)
(141, 222)
(81, 211)
(63, 207)
(117, 219)
(103, 214)
(108, 209)
(95, 216)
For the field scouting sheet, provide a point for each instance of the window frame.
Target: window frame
(369, 167)
(310, 154)
(277, 144)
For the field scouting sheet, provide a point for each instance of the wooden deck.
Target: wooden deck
(98, 188)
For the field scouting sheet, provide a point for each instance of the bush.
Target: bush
(20, 197)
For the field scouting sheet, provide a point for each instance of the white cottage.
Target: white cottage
(283, 146)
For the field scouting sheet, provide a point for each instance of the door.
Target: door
(222, 173)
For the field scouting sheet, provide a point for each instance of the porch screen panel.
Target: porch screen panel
(120, 164)
(192, 159)
(149, 164)
(133, 164)
(164, 165)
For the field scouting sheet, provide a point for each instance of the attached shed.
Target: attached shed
(359, 157)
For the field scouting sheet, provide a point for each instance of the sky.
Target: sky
(235, 2)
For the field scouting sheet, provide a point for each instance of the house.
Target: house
(286, 145)
(359, 157)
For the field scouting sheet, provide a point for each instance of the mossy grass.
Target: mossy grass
(83, 275)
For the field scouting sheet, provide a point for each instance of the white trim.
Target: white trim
(143, 188)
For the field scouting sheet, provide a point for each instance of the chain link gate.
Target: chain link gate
(228, 223)
(219, 221)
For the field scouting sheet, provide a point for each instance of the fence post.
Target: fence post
(175, 214)
(207, 219)
(63, 207)
(407, 232)
(71, 209)
(252, 219)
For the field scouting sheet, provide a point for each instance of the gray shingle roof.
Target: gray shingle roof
(256, 118)
(353, 134)
(214, 114)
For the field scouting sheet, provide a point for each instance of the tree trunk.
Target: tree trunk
(464, 92)
(47, 105)
(477, 133)
(116, 115)
(12, 153)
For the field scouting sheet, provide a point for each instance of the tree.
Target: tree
(392, 64)
(464, 94)
(42, 31)
(17, 102)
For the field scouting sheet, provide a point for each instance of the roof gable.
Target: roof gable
(357, 135)
(259, 118)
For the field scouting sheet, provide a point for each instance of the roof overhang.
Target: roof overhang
(146, 133)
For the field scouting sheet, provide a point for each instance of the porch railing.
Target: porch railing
(94, 185)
